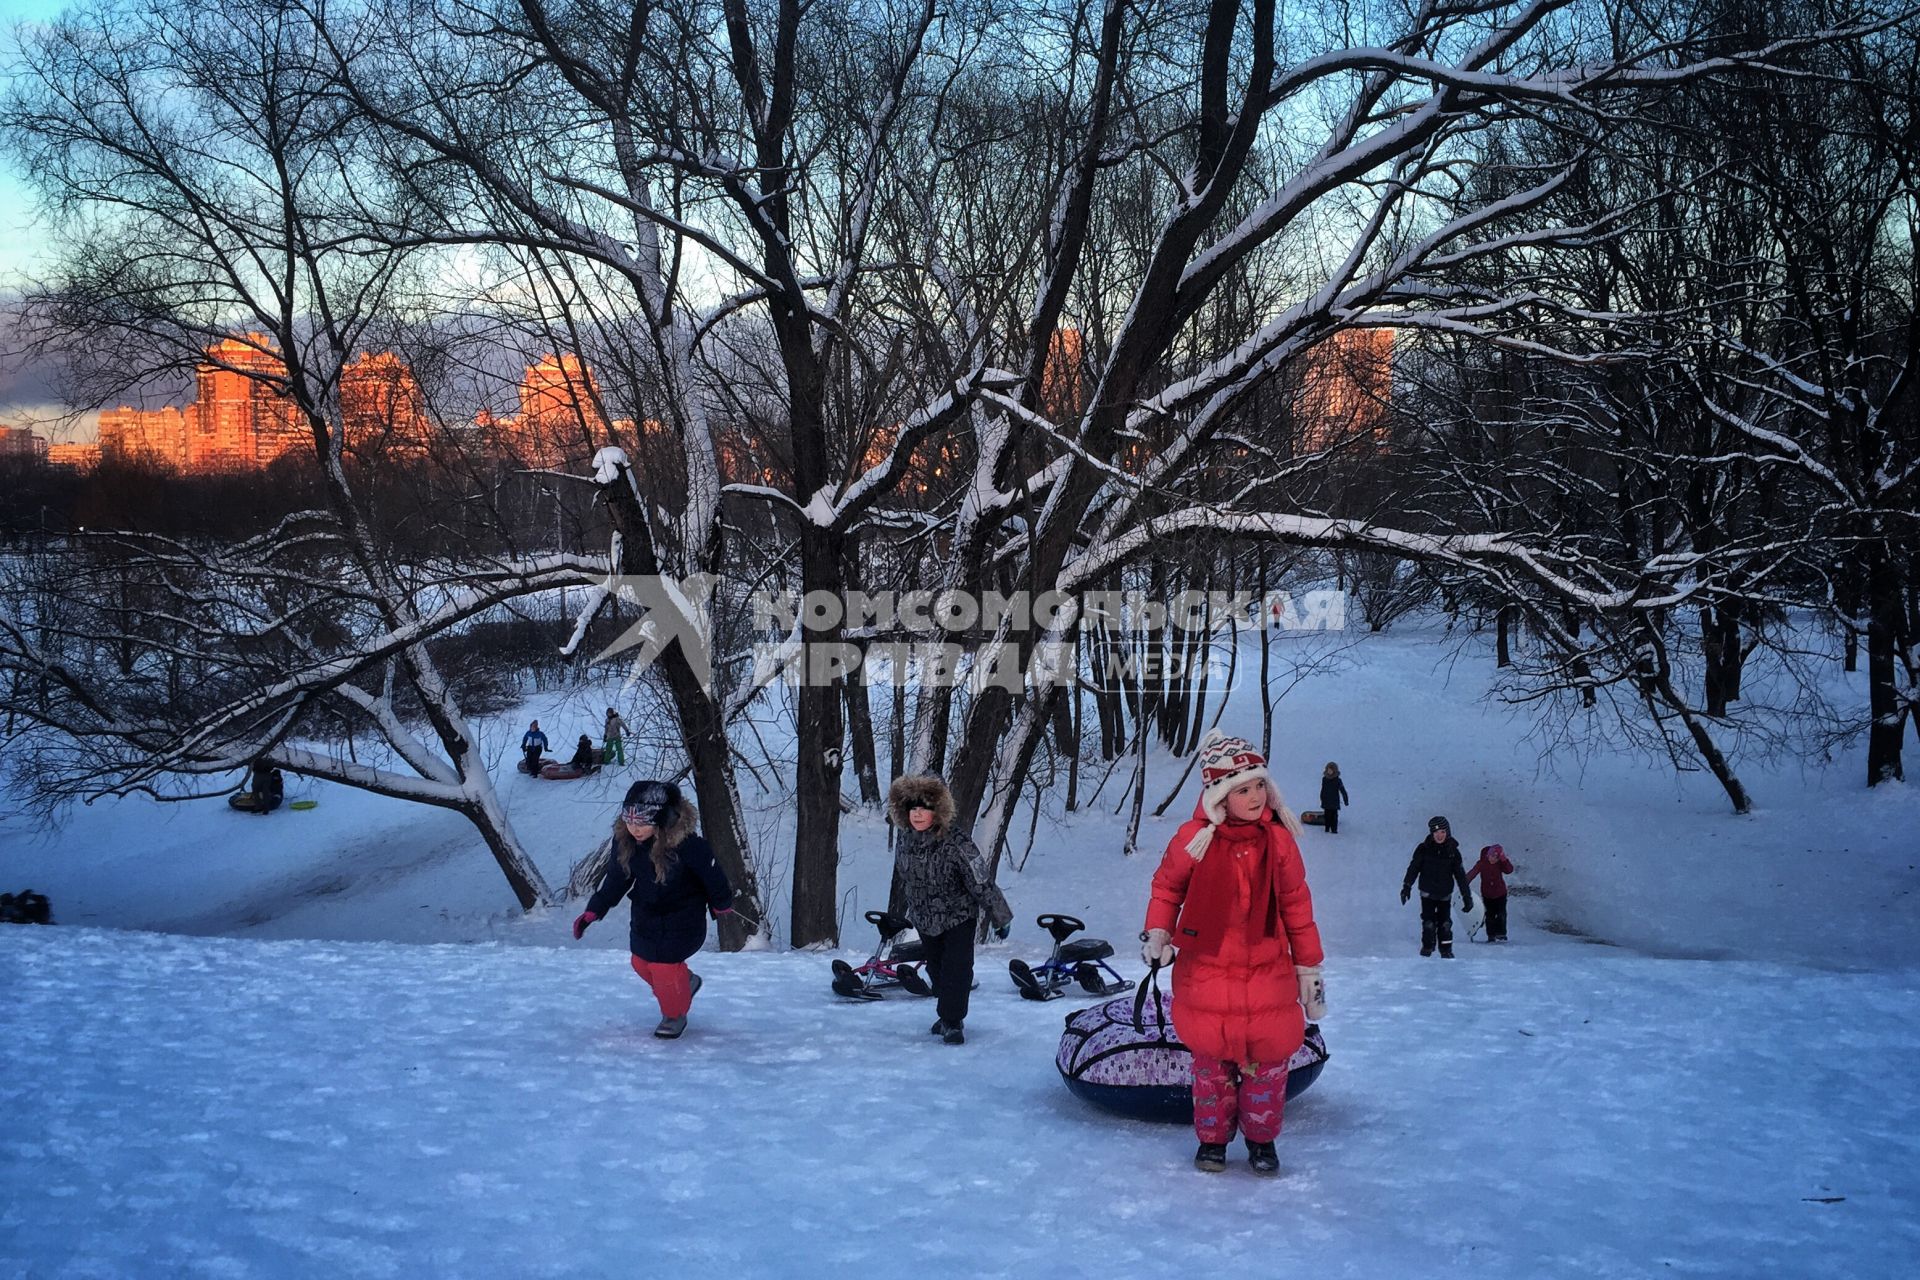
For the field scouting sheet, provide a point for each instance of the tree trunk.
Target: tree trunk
(717, 794)
(528, 886)
(1720, 643)
(819, 748)
(1073, 756)
(1884, 704)
(897, 731)
(1847, 606)
(866, 764)
(1502, 643)
(1654, 677)
(716, 791)
(1266, 692)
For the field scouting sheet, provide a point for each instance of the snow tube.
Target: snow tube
(249, 802)
(564, 772)
(1124, 1056)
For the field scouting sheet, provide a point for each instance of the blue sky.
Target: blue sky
(27, 397)
(16, 238)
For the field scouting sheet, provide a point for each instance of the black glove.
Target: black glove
(1466, 904)
(1405, 894)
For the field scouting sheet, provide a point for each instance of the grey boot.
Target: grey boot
(693, 986)
(670, 1028)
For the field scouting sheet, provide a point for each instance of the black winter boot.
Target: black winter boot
(952, 1035)
(1211, 1157)
(1261, 1156)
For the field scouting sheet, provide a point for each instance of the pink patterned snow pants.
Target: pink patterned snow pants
(1229, 1096)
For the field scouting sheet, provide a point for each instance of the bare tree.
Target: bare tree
(210, 181)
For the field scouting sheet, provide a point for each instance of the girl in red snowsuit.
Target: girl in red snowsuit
(1230, 899)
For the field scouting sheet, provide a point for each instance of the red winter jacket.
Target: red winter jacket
(1242, 918)
(1494, 870)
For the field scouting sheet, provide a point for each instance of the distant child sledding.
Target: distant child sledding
(1230, 902)
(1437, 866)
(668, 873)
(265, 790)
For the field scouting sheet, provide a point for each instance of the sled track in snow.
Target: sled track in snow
(366, 865)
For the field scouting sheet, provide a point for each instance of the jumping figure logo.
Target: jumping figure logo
(674, 610)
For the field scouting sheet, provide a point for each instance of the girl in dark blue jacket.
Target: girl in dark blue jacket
(669, 875)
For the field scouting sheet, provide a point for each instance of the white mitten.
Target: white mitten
(1313, 991)
(1158, 948)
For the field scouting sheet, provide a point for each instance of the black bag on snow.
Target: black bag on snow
(1124, 1056)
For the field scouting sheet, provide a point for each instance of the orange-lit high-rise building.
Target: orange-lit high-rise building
(1063, 380)
(22, 445)
(145, 435)
(1346, 385)
(559, 411)
(239, 419)
(381, 407)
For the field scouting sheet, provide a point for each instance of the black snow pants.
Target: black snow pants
(1496, 917)
(1436, 925)
(950, 970)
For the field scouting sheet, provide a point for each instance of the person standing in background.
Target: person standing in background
(615, 734)
(1333, 794)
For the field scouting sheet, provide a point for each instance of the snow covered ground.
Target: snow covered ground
(1694, 1059)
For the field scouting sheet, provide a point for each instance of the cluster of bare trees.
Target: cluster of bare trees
(998, 295)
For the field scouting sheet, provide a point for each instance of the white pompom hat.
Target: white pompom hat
(1226, 763)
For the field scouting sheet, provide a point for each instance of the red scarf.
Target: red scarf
(1207, 913)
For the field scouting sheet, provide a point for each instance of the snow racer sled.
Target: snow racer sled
(1084, 961)
(1125, 1057)
(890, 965)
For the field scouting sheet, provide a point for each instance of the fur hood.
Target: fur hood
(928, 790)
(666, 839)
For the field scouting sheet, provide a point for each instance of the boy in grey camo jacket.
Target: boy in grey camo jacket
(946, 884)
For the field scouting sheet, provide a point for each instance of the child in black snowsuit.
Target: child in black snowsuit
(583, 759)
(1333, 794)
(1437, 865)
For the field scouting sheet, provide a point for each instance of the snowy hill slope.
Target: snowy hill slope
(208, 1107)
(1614, 848)
(1722, 1090)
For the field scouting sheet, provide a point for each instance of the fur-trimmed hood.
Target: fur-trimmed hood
(666, 838)
(918, 790)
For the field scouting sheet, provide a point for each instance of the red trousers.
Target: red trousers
(672, 986)
(1229, 1096)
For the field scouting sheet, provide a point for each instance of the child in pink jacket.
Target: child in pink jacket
(1493, 870)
